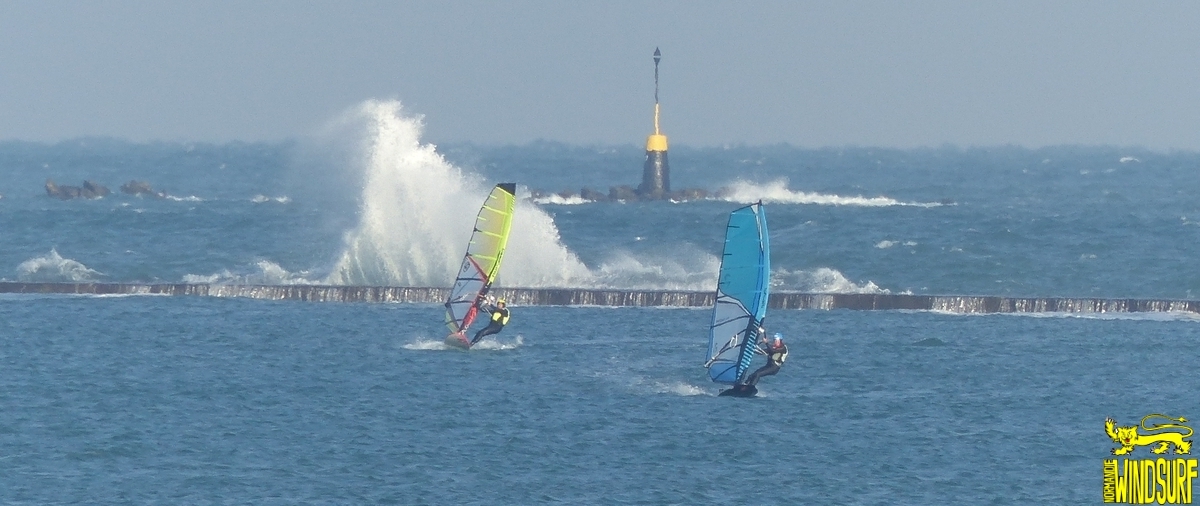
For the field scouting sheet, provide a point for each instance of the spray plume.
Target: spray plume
(417, 211)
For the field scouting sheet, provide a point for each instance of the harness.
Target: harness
(500, 315)
(778, 355)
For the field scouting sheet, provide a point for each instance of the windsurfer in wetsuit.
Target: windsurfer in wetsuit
(776, 353)
(499, 313)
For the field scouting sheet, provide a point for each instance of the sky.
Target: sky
(811, 74)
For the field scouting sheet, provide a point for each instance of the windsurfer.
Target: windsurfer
(776, 353)
(499, 312)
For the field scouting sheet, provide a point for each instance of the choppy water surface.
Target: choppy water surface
(153, 399)
(190, 400)
(387, 208)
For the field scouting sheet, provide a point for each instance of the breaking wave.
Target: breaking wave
(53, 268)
(417, 211)
(697, 271)
(263, 272)
(821, 280)
(745, 192)
(572, 200)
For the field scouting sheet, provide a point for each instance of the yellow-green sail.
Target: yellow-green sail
(482, 261)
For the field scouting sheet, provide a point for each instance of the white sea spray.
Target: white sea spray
(53, 268)
(777, 191)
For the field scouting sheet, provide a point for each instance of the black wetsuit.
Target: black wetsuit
(775, 358)
(499, 319)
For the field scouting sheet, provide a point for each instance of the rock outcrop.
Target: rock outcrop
(89, 190)
(593, 195)
(135, 187)
(623, 192)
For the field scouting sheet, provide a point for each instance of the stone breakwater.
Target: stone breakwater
(611, 297)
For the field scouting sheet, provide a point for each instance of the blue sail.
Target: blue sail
(742, 289)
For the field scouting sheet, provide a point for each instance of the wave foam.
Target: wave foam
(745, 192)
(426, 345)
(266, 273)
(492, 343)
(1156, 316)
(556, 199)
(678, 388)
(260, 198)
(488, 343)
(694, 271)
(417, 212)
(53, 268)
(886, 243)
(822, 280)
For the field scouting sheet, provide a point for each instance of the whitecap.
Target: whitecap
(263, 272)
(821, 280)
(685, 269)
(571, 200)
(53, 268)
(262, 199)
(776, 191)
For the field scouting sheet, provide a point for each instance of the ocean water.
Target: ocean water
(195, 400)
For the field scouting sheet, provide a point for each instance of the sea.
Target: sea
(207, 400)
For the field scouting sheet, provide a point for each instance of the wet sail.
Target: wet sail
(482, 261)
(742, 289)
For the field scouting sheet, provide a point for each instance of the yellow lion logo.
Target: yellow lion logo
(1128, 437)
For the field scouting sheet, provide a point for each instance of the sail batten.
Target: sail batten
(742, 291)
(481, 263)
